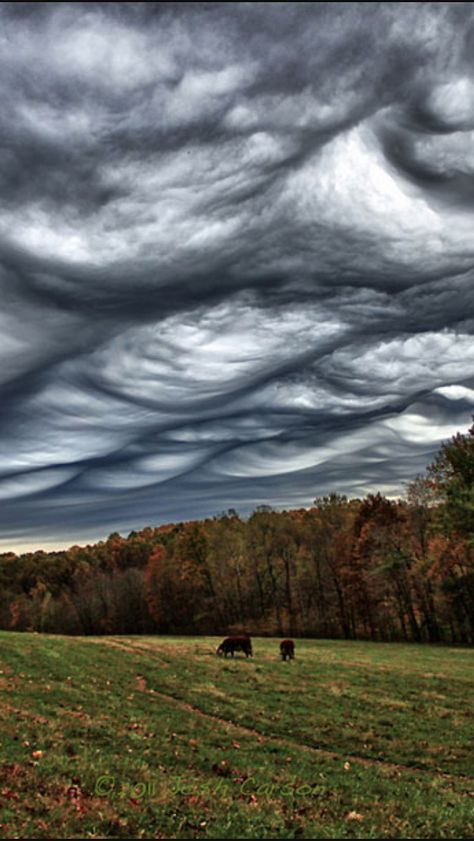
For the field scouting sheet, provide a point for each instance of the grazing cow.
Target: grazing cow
(287, 649)
(232, 644)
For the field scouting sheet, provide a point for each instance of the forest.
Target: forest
(371, 568)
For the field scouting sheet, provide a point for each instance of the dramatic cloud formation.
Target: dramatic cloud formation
(236, 256)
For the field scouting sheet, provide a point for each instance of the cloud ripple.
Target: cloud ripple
(236, 256)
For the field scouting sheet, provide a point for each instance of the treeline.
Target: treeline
(355, 569)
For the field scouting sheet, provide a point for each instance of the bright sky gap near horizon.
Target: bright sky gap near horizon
(236, 256)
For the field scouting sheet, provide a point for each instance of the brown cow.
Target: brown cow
(287, 649)
(231, 644)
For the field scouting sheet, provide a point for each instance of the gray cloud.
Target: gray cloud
(236, 256)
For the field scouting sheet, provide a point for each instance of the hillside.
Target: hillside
(159, 738)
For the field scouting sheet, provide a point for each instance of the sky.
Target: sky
(236, 257)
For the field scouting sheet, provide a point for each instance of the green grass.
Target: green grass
(158, 738)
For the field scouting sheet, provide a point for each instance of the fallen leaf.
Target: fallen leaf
(74, 792)
(354, 816)
(8, 794)
(42, 825)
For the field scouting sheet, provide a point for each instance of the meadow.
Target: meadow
(156, 737)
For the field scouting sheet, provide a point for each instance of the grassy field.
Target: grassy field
(158, 738)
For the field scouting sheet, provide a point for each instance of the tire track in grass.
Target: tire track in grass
(289, 744)
(150, 650)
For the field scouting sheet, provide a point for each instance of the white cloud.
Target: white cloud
(33, 483)
(348, 186)
(404, 364)
(208, 352)
(453, 101)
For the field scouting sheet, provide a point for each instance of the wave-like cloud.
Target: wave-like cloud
(236, 256)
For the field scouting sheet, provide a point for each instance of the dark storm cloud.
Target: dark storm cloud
(236, 255)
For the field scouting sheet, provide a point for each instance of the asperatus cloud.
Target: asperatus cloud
(237, 254)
